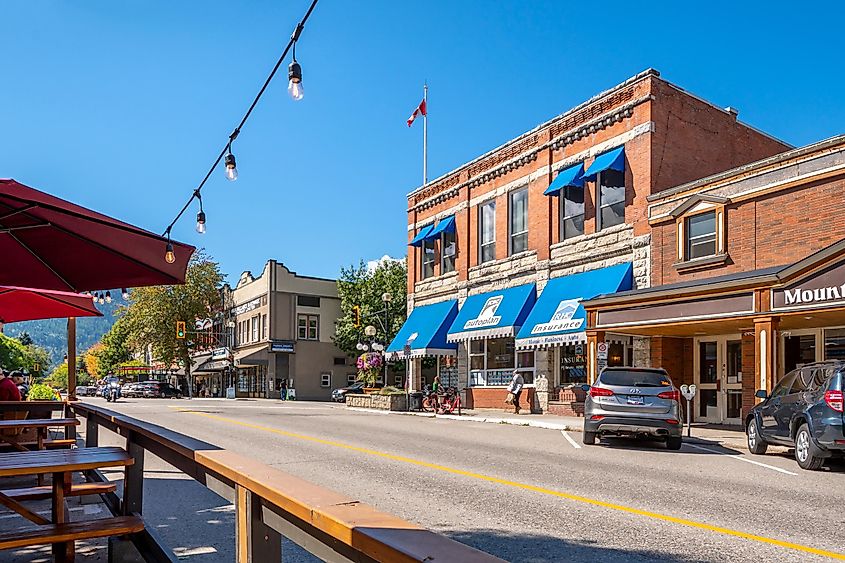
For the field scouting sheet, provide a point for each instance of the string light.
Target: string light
(296, 92)
(101, 299)
(200, 217)
(125, 293)
(108, 297)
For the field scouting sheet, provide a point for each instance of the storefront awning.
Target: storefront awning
(572, 176)
(493, 314)
(558, 317)
(421, 236)
(425, 332)
(612, 160)
(446, 225)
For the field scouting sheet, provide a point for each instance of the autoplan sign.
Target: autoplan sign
(487, 317)
(819, 290)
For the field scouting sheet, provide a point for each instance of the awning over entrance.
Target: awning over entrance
(493, 314)
(424, 332)
(256, 356)
(612, 160)
(558, 317)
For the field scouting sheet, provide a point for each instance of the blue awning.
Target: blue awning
(572, 176)
(493, 314)
(425, 332)
(558, 317)
(613, 160)
(446, 225)
(421, 236)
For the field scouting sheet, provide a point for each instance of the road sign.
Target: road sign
(407, 350)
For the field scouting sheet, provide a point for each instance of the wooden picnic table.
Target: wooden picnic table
(62, 464)
(40, 424)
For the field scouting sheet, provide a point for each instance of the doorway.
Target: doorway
(718, 376)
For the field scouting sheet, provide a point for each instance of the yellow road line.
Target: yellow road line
(536, 489)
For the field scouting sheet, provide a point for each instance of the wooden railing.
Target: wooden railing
(268, 503)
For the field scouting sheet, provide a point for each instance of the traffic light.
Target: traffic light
(356, 316)
(180, 329)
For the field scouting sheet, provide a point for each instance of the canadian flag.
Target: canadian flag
(419, 111)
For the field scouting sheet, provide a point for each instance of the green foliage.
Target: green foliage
(42, 392)
(359, 287)
(15, 355)
(58, 377)
(153, 311)
(114, 349)
(390, 391)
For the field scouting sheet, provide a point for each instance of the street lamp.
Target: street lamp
(386, 298)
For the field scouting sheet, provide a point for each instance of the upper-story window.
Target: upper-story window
(308, 327)
(611, 198)
(487, 232)
(448, 250)
(701, 235)
(518, 221)
(264, 326)
(429, 257)
(571, 212)
(255, 320)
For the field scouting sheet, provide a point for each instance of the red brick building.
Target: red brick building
(571, 196)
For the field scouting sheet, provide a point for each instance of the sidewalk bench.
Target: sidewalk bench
(57, 533)
(45, 492)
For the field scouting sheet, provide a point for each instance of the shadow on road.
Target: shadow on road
(705, 447)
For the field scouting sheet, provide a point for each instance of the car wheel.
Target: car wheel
(178, 395)
(674, 442)
(804, 452)
(589, 438)
(756, 444)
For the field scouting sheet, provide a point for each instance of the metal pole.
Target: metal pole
(425, 135)
(689, 423)
(71, 359)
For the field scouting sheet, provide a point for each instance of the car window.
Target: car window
(635, 378)
(819, 379)
(799, 384)
(783, 387)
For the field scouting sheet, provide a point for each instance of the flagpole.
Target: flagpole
(425, 134)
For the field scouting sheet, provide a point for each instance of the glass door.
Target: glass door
(718, 373)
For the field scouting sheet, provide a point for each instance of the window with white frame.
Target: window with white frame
(487, 232)
(350, 378)
(571, 212)
(611, 198)
(518, 221)
(325, 380)
(264, 327)
(429, 257)
(701, 235)
(255, 320)
(493, 361)
(448, 250)
(308, 327)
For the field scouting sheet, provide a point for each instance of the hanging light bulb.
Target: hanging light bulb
(169, 255)
(231, 167)
(101, 298)
(93, 297)
(201, 222)
(125, 293)
(108, 297)
(295, 81)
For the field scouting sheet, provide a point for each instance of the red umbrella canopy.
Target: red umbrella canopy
(49, 243)
(27, 304)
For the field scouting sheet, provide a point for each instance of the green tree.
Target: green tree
(58, 377)
(153, 312)
(15, 355)
(115, 348)
(359, 287)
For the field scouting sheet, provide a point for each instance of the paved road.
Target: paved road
(524, 494)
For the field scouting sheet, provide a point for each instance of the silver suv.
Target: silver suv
(627, 401)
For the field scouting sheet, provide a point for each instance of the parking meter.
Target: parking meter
(688, 391)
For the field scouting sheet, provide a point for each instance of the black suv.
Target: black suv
(804, 411)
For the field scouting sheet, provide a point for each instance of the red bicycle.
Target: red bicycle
(431, 401)
(450, 402)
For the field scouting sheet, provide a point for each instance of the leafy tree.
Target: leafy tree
(360, 287)
(153, 312)
(58, 377)
(115, 348)
(15, 355)
(92, 359)
(25, 338)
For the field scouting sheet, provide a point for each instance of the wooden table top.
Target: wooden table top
(38, 423)
(53, 461)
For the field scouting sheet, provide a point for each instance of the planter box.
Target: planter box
(378, 402)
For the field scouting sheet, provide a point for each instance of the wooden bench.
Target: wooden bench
(45, 492)
(48, 444)
(30, 536)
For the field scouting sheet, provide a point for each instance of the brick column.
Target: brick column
(765, 336)
(415, 374)
(593, 338)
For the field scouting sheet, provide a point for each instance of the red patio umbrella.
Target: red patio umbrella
(49, 243)
(28, 304)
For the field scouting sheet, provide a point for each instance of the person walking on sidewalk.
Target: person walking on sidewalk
(283, 390)
(516, 388)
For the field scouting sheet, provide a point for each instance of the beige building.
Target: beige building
(283, 325)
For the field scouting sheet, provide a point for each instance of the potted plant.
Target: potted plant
(41, 392)
(369, 367)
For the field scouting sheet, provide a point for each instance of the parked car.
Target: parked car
(638, 402)
(86, 390)
(804, 411)
(339, 395)
(160, 390)
(130, 390)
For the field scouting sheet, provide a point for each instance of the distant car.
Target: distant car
(804, 411)
(86, 390)
(638, 402)
(339, 395)
(160, 390)
(130, 390)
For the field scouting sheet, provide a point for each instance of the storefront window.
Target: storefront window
(573, 364)
(615, 354)
(707, 363)
(449, 371)
(707, 399)
(834, 344)
(798, 350)
(611, 198)
(493, 361)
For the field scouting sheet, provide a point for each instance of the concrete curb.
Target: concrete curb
(474, 418)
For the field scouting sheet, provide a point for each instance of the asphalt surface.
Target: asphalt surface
(523, 494)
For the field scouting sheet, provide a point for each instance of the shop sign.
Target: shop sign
(562, 319)
(282, 346)
(247, 307)
(487, 317)
(826, 288)
(219, 353)
(552, 339)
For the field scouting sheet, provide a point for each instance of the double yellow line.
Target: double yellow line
(527, 487)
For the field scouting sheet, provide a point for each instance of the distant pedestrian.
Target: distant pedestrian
(23, 388)
(516, 388)
(283, 389)
(436, 385)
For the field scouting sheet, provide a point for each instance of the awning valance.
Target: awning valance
(558, 317)
(493, 314)
(612, 160)
(572, 176)
(446, 225)
(424, 332)
(421, 235)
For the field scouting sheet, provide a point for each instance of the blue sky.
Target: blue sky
(121, 106)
